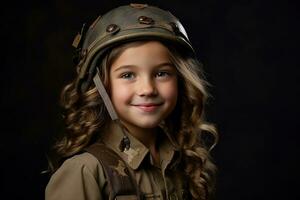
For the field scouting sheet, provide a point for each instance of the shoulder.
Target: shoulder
(81, 166)
(79, 169)
(79, 175)
(83, 161)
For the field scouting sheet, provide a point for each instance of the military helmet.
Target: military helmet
(124, 24)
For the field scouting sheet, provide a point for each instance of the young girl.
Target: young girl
(135, 113)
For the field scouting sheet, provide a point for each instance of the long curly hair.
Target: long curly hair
(85, 114)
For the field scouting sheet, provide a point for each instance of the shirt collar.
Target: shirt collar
(137, 152)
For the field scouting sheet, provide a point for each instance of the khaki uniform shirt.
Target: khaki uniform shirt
(81, 177)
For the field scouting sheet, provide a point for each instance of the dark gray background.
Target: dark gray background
(251, 58)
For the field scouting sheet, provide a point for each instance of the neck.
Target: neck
(145, 136)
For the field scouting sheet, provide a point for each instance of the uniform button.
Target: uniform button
(112, 28)
(173, 196)
(145, 20)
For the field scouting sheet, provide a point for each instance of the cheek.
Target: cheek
(170, 91)
(119, 93)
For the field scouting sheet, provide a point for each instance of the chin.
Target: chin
(148, 124)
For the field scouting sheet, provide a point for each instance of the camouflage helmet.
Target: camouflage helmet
(124, 24)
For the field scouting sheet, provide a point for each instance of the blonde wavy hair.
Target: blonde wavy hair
(85, 114)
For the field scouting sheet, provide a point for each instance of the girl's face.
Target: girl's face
(143, 85)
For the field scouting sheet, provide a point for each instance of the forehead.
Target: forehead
(142, 53)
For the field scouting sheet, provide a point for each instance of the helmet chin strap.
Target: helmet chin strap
(125, 143)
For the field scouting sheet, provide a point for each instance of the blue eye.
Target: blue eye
(127, 75)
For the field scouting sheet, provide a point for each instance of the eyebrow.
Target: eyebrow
(135, 66)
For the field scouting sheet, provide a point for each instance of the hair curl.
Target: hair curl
(85, 114)
(192, 126)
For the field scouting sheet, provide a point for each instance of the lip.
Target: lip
(148, 107)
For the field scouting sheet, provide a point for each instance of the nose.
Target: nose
(146, 87)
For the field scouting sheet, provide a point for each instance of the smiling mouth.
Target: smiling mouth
(148, 107)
